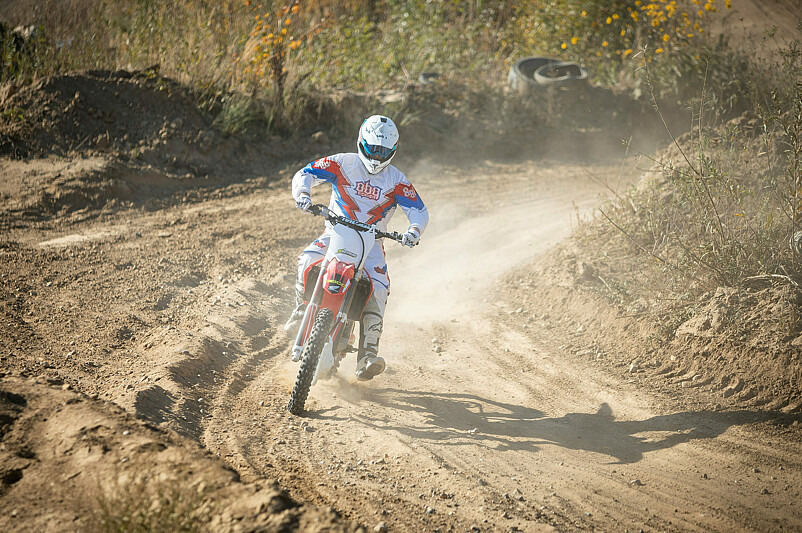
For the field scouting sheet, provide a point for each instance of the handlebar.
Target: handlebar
(323, 211)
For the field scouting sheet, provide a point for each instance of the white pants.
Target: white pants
(376, 269)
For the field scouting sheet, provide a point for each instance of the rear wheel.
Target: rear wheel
(309, 358)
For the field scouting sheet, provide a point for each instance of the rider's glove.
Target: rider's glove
(304, 202)
(411, 237)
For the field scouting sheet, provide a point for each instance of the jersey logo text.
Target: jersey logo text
(366, 190)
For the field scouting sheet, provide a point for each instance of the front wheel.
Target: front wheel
(309, 358)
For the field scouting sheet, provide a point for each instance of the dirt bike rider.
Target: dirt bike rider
(365, 187)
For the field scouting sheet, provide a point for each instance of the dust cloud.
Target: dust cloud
(471, 242)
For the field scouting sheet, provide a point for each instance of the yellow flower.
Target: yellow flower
(295, 8)
(283, 31)
(728, 3)
(609, 20)
(627, 52)
(287, 22)
(623, 32)
(584, 13)
(659, 51)
(605, 43)
(665, 37)
(563, 46)
(574, 40)
(634, 16)
(615, 16)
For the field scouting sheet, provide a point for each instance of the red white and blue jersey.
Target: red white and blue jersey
(357, 194)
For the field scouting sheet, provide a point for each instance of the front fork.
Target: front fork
(342, 328)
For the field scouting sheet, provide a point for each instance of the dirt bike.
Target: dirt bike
(336, 290)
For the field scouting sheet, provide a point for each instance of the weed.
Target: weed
(150, 503)
(15, 114)
(238, 114)
(725, 207)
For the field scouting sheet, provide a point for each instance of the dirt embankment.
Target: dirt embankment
(72, 462)
(101, 139)
(732, 349)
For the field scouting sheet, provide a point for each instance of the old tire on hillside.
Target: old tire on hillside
(563, 74)
(522, 73)
(533, 75)
(309, 358)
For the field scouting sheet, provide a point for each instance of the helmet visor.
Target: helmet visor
(377, 152)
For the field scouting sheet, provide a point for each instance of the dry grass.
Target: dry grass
(150, 503)
(237, 47)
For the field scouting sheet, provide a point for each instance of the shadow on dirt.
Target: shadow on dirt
(465, 419)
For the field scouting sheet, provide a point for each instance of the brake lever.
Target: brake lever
(320, 210)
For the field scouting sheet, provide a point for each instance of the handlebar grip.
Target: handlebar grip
(385, 235)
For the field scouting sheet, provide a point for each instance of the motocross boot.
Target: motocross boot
(368, 364)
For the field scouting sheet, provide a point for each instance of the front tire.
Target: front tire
(309, 358)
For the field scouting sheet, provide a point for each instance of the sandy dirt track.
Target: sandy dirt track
(175, 315)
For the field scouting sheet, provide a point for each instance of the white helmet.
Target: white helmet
(377, 143)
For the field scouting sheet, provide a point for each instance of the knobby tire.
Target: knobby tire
(309, 359)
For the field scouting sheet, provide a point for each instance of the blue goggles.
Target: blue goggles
(376, 151)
